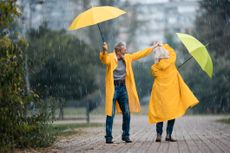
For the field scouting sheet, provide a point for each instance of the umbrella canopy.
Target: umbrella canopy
(198, 52)
(94, 16)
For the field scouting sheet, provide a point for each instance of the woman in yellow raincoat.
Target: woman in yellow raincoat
(170, 96)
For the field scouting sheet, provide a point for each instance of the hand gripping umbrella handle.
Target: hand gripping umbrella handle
(102, 38)
(184, 62)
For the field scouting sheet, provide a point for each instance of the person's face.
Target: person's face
(123, 50)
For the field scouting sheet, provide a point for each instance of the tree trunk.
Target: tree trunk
(87, 112)
(61, 113)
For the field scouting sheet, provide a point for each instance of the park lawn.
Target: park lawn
(71, 128)
(225, 120)
(71, 111)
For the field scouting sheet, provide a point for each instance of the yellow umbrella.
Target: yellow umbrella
(198, 51)
(94, 16)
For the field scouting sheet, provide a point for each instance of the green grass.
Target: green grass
(225, 120)
(71, 128)
(71, 111)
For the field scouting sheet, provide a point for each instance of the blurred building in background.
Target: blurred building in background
(156, 19)
(57, 14)
(160, 18)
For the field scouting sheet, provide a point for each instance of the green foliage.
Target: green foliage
(143, 79)
(12, 93)
(61, 66)
(18, 128)
(36, 132)
(8, 12)
(212, 28)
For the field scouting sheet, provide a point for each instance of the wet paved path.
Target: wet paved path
(195, 134)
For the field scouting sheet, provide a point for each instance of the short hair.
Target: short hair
(119, 45)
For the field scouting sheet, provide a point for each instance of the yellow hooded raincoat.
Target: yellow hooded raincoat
(170, 96)
(110, 59)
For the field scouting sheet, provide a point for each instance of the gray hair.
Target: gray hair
(160, 52)
(120, 45)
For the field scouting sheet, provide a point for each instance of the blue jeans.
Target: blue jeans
(170, 125)
(120, 95)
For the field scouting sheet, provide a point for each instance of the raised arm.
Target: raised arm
(142, 53)
(165, 63)
(104, 55)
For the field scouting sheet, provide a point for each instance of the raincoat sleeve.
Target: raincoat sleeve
(104, 57)
(142, 53)
(165, 63)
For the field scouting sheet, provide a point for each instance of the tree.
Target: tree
(212, 25)
(212, 28)
(143, 79)
(17, 129)
(61, 66)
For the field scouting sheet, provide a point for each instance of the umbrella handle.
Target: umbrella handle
(184, 62)
(102, 38)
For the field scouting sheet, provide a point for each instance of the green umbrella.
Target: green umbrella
(198, 52)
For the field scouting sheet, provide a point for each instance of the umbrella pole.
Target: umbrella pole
(184, 62)
(102, 38)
